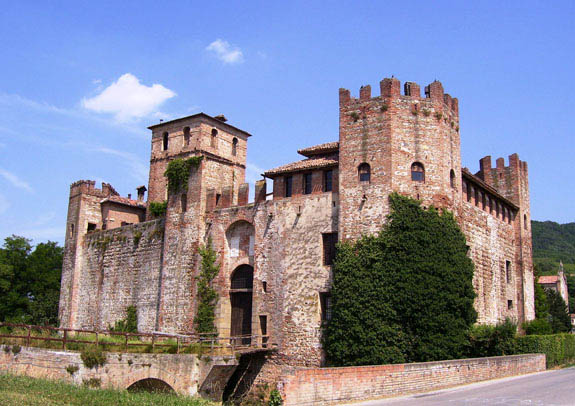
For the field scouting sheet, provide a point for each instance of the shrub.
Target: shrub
(158, 209)
(16, 349)
(93, 357)
(178, 172)
(537, 327)
(72, 369)
(491, 341)
(207, 296)
(93, 382)
(7, 349)
(275, 398)
(559, 348)
(130, 323)
(405, 295)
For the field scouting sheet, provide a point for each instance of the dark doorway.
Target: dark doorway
(241, 301)
(151, 385)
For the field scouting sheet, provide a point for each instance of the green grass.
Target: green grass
(24, 391)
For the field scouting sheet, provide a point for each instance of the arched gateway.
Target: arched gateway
(241, 289)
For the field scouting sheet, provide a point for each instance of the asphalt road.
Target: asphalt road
(551, 388)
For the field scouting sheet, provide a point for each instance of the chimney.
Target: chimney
(141, 191)
(221, 117)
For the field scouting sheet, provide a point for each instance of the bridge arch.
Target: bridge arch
(154, 385)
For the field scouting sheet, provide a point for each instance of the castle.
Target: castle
(275, 253)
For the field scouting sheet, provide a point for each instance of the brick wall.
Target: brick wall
(334, 385)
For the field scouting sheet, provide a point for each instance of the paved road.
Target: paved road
(551, 388)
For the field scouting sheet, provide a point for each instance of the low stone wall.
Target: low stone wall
(322, 386)
(185, 373)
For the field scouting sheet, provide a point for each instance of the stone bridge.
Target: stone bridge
(186, 374)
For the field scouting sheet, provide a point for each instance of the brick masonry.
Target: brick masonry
(185, 373)
(326, 386)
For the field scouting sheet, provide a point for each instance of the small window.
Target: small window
(525, 221)
(213, 139)
(497, 209)
(184, 202)
(452, 178)
(218, 196)
(71, 230)
(264, 286)
(165, 142)
(288, 186)
(307, 183)
(329, 248)
(417, 172)
(328, 181)
(326, 308)
(477, 197)
(508, 271)
(125, 223)
(91, 227)
(364, 172)
(186, 136)
(510, 305)
(264, 325)
(234, 146)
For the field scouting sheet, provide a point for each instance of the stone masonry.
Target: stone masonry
(275, 252)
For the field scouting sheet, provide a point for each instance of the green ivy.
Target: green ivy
(404, 295)
(178, 172)
(158, 209)
(130, 323)
(207, 296)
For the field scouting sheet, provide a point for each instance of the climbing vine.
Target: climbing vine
(158, 209)
(207, 296)
(178, 172)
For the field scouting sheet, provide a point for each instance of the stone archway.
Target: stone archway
(151, 385)
(241, 295)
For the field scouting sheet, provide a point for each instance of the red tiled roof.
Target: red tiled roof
(326, 148)
(548, 279)
(310, 163)
(124, 201)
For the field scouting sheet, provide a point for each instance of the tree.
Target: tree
(541, 305)
(403, 295)
(558, 313)
(30, 281)
(207, 296)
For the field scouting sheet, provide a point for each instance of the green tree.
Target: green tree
(404, 295)
(207, 296)
(558, 312)
(541, 305)
(30, 281)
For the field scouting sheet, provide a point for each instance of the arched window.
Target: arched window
(417, 172)
(213, 140)
(364, 172)
(165, 142)
(184, 202)
(243, 277)
(186, 136)
(452, 178)
(234, 146)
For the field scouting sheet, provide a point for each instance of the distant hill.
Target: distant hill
(553, 242)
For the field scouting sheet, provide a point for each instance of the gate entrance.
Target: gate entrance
(241, 301)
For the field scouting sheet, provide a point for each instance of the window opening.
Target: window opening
(213, 140)
(218, 196)
(364, 171)
(452, 178)
(508, 271)
(417, 172)
(329, 247)
(325, 304)
(510, 305)
(328, 181)
(264, 286)
(91, 226)
(307, 183)
(186, 136)
(184, 202)
(234, 146)
(165, 141)
(288, 186)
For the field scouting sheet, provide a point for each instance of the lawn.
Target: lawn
(24, 391)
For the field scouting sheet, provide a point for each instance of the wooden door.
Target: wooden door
(241, 315)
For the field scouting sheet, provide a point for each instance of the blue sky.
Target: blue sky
(79, 84)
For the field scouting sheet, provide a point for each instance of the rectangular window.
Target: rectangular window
(307, 183)
(325, 303)
(264, 286)
(510, 305)
(328, 181)
(288, 185)
(508, 271)
(251, 246)
(91, 226)
(218, 196)
(329, 243)
(234, 247)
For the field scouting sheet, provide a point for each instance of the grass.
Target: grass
(24, 391)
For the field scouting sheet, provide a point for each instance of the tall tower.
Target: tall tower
(396, 143)
(216, 180)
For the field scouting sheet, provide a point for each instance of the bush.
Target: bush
(559, 348)
(16, 349)
(405, 295)
(72, 369)
(491, 341)
(537, 327)
(158, 209)
(93, 357)
(130, 323)
(275, 398)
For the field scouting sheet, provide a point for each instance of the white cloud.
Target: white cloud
(225, 52)
(15, 180)
(253, 173)
(4, 204)
(128, 99)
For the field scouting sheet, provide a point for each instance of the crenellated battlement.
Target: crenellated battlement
(390, 88)
(89, 187)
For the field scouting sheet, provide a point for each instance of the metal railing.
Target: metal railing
(66, 338)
